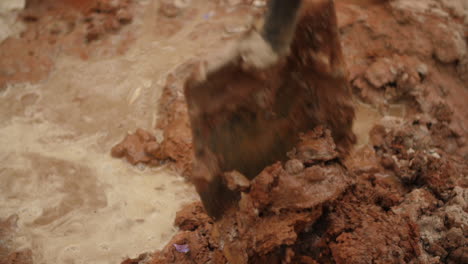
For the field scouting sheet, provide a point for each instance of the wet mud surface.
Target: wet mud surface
(84, 80)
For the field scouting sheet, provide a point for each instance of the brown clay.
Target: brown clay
(407, 199)
(398, 198)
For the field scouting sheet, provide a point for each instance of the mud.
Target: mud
(370, 211)
(401, 193)
(74, 202)
(174, 145)
(68, 96)
(142, 147)
(54, 28)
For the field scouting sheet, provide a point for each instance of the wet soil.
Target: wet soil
(397, 189)
(74, 202)
(74, 82)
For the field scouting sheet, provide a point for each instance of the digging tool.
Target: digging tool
(249, 102)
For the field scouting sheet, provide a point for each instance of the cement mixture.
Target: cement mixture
(83, 73)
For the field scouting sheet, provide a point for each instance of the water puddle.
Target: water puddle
(76, 204)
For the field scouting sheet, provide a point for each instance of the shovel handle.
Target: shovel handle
(280, 24)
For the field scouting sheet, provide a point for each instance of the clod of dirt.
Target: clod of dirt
(416, 203)
(370, 227)
(134, 147)
(391, 79)
(176, 145)
(270, 215)
(414, 156)
(364, 161)
(235, 181)
(142, 147)
(450, 48)
(310, 149)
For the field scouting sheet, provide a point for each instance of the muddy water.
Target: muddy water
(75, 203)
(367, 116)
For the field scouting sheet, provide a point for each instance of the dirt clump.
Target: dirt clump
(175, 147)
(142, 147)
(135, 147)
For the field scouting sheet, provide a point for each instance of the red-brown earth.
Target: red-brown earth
(399, 197)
